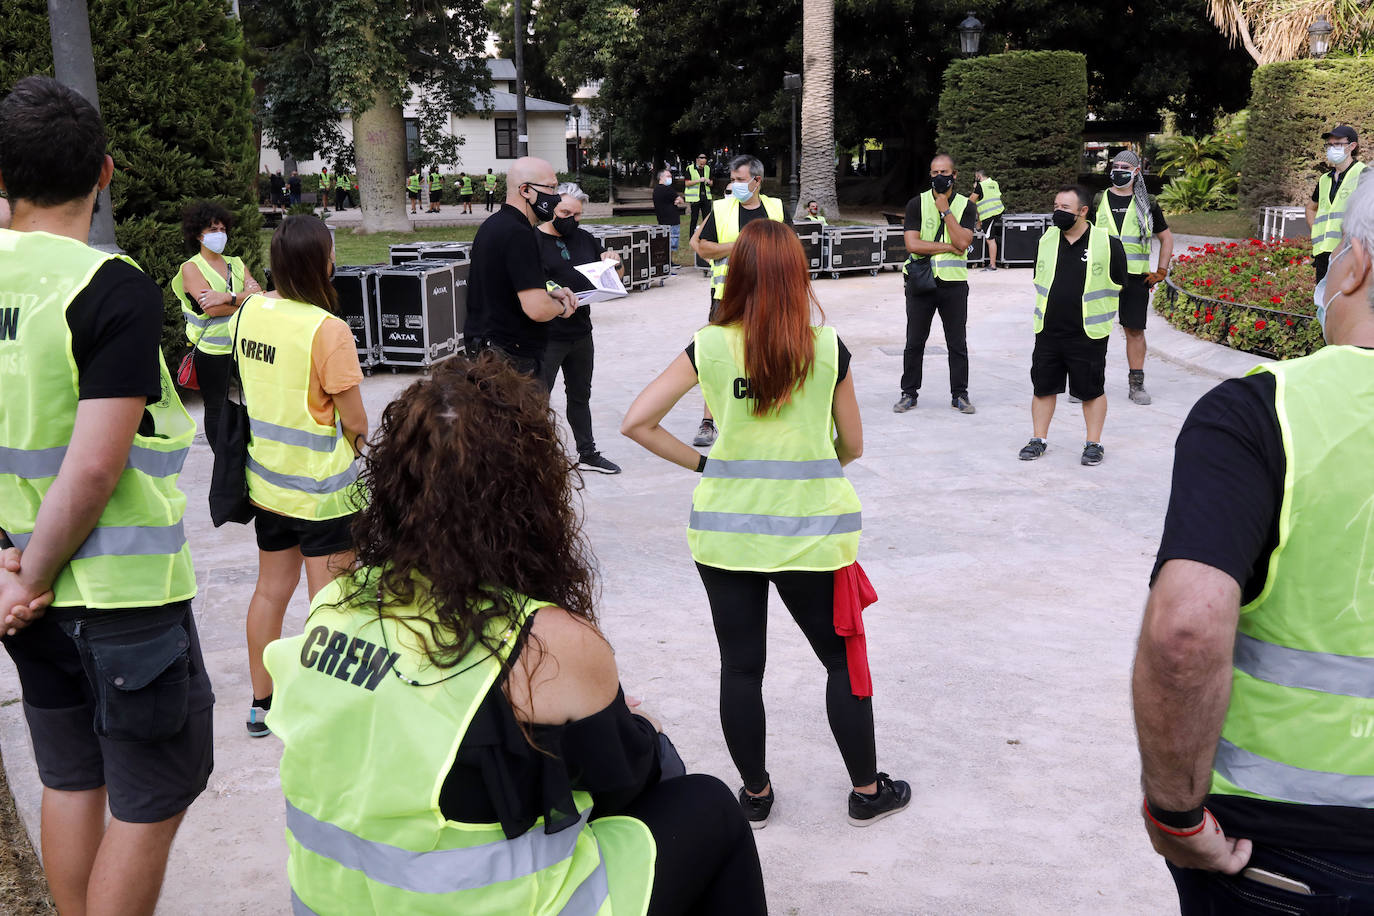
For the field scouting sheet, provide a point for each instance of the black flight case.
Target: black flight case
(356, 286)
(1021, 234)
(416, 313)
(812, 236)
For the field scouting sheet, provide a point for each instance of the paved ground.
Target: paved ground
(1010, 595)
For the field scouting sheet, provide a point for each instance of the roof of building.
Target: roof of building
(501, 68)
(505, 101)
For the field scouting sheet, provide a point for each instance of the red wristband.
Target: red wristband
(1165, 828)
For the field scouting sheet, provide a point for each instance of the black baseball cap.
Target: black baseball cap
(1344, 131)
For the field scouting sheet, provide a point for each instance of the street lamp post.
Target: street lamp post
(970, 35)
(577, 132)
(792, 83)
(1319, 37)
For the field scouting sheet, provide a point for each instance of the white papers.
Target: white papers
(604, 278)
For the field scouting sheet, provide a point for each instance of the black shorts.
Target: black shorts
(314, 538)
(991, 226)
(436, 196)
(413, 195)
(1082, 359)
(120, 699)
(467, 198)
(1134, 305)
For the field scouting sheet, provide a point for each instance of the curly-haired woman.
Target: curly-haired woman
(210, 287)
(773, 504)
(456, 739)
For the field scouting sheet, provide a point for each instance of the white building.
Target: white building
(489, 133)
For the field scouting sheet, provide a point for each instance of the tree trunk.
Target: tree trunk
(379, 150)
(818, 108)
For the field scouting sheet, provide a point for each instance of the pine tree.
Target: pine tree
(177, 102)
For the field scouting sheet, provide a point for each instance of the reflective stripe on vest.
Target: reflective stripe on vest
(466, 186)
(1327, 224)
(1299, 722)
(990, 203)
(772, 495)
(297, 466)
(357, 833)
(1100, 294)
(413, 183)
(692, 193)
(725, 214)
(209, 335)
(1133, 240)
(491, 183)
(946, 266)
(136, 553)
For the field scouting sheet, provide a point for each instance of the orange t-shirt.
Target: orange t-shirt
(334, 368)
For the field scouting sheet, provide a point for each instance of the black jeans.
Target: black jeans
(739, 610)
(700, 209)
(1341, 882)
(951, 301)
(212, 373)
(489, 195)
(575, 358)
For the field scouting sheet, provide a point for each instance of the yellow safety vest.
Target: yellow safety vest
(364, 758)
(491, 183)
(990, 203)
(1326, 225)
(725, 212)
(296, 466)
(692, 193)
(137, 555)
(413, 183)
(946, 266)
(209, 335)
(1134, 240)
(1301, 716)
(773, 495)
(1100, 294)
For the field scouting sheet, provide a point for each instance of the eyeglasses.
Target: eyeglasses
(534, 184)
(563, 249)
(1337, 142)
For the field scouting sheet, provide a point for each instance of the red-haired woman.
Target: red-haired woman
(773, 504)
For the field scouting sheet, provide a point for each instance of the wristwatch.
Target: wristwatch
(944, 213)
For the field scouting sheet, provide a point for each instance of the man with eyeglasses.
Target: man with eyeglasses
(1326, 209)
(509, 304)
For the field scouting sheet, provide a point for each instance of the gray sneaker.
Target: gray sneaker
(1136, 380)
(1032, 450)
(706, 434)
(962, 405)
(904, 403)
(1093, 453)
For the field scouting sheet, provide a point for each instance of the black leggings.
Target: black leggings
(707, 861)
(212, 374)
(739, 609)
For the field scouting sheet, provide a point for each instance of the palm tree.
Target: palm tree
(1272, 30)
(818, 107)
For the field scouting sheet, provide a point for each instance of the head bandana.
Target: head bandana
(1142, 196)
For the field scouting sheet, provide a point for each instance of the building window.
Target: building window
(505, 138)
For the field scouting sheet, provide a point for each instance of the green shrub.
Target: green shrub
(177, 102)
(1291, 104)
(1198, 190)
(1020, 116)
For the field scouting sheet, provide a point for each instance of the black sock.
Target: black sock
(264, 703)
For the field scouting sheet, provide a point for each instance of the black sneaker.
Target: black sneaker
(706, 434)
(1092, 453)
(595, 462)
(758, 808)
(1033, 450)
(904, 403)
(257, 728)
(892, 796)
(962, 405)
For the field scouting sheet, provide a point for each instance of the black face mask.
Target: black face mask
(565, 225)
(941, 183)
(1121, 177)
(1064, 220)
(544, 204)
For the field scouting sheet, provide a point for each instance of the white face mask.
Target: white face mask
(1335, 154)
(741, 190)
(215, 241)
(1319, 294)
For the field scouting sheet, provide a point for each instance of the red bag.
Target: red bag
(186, 373)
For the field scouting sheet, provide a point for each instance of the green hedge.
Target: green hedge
(177, 102)
(1291, 104)
(1020, 116)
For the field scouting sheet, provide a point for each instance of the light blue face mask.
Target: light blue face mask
(1319, 294)
(741, 190)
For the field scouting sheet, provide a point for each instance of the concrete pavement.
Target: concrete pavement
(1010, 595)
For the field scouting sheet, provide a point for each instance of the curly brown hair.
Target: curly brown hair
(470, 487)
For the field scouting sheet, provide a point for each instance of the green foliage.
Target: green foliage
(1291, 104)
(1202, 172)
(177, 102)
(1198, 189)
(1020, 116)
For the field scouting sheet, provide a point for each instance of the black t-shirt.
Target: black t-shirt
(1229, 466)
(116, 325)
(912, 223)
(746, 216)
(1118, 204)
(295, 182)
(505, 260)
(844, 357)
(665, 211)
(1064, 304)
(1336, 179)
(277, 183)
(560, 257)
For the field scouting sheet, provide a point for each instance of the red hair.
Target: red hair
(768, 294)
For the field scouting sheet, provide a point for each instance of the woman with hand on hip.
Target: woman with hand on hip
(773, 504)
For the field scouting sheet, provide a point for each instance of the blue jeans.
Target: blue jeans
(1341, 883)
(674, 234)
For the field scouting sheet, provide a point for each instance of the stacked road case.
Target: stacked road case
(416, 312)
(894, 247)
(812, 236)
(853, 248)
(1021, 234)
(358, 307)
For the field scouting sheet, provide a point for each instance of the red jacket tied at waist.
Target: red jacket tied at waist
(853, 593)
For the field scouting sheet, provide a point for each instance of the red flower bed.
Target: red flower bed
(1252, 295)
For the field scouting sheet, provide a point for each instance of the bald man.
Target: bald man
(509, 305)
